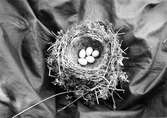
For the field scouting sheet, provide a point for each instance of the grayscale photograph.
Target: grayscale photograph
(83, 58)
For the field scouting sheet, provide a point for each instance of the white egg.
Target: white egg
(82, 61)
(89, 51)
(95, 53)
(82, 53)
(90, 59)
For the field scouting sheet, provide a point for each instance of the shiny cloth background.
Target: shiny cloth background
(24, 38)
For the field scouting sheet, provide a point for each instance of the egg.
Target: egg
(82, 61)
(90, 59)
(89, 51)
(82, 53)
(95, 53)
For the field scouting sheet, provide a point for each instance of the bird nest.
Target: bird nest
(93, 81)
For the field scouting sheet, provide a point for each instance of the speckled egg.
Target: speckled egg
(82, 53)
(82, 61)
(89, 51)
(95, 53)
(90, 59)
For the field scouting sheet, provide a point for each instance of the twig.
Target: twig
(41, 102)
(71, 103)
(97, 99)
(114, 104)
(118, 95)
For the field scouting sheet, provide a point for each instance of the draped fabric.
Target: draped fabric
(25, 27)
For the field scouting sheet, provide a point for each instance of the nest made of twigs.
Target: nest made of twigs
(93, 81)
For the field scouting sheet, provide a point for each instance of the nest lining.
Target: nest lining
(95, 81)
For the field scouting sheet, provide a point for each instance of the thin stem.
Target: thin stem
(71, 103)
(41, 102)
(97, 97)
(118, 95)
(114, 104)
